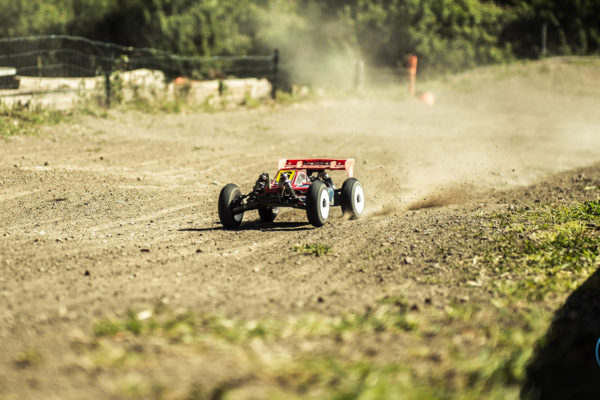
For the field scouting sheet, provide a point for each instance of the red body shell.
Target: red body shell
(297, 171)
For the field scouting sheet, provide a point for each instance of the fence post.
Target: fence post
(544, 39)
(359, 75)
(107, 73)
(274, 74)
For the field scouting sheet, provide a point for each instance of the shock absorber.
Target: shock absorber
(285, 186)
(324, 176)
(259, 186)
(261, 183)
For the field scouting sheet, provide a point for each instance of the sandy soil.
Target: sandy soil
(98, 216)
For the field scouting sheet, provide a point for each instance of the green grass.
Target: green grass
(316, 249)
(548, 250)
(26, 119)
(28, 358)
(345, 371)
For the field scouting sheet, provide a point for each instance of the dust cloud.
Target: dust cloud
(443, 197)
(492, 128)
(314, 50)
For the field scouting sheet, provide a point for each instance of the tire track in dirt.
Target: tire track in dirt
(13, 196)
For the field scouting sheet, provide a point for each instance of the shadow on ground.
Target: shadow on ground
(564, 364)
(258, 226)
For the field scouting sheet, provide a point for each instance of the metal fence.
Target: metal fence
(61, 56)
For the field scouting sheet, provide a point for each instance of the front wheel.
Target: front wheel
(228, 199)
(317, 203)
(353, 198)
(268, 214)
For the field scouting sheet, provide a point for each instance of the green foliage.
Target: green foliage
(573, 27)
(550, 249)
(19, 119)
(315, 249)
(28, 358)
(446, 35)
(106, 328)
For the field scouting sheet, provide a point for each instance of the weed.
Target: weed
(28, 358)
(250, 102)
(315, 249)
(20, 119)
(106, 328)
(133, 324)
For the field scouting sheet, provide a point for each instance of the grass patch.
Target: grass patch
(549, 250)
(28, 358)
(189, 327)
(25, 119)
(315, 249)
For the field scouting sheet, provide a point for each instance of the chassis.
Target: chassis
(299, 183)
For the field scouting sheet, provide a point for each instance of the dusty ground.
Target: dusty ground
(101, 216)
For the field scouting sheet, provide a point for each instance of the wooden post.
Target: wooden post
(412, 73)
(107, 73)
(39, 66)
(544, 39)
(359, 75)
(274, 74)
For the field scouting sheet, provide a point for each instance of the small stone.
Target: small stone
(86, 273)
(179, 274)
(198, 250)
(320, 299)
(408, 260)
(256, 269)
(144, 315)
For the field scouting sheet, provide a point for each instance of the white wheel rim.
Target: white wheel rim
(324, 204)
(359, 199)
(238, 217)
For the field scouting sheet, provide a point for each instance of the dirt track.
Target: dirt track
(99, 216)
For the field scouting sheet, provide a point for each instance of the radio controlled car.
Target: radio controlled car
(303, 184)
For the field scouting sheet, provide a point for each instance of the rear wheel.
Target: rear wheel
(353, 198)
(317, 203)
(268, 214)
(227, 201)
